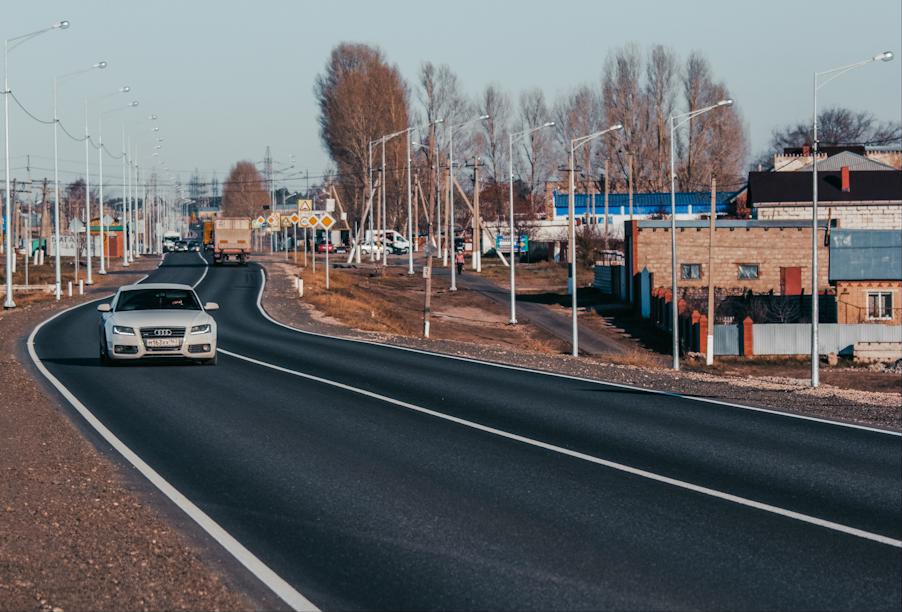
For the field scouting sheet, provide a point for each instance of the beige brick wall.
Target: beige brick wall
(771, 249)
(852, 305)
(847, 217)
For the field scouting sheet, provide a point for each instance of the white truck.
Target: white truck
(169, 240)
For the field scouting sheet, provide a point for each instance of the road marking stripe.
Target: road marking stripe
(273, 581)
(578, 455)
(507, 366)
(206, 269)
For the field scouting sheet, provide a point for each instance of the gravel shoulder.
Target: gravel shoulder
(869, 408)
(78, 528)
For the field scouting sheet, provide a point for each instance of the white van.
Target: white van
(396, 243)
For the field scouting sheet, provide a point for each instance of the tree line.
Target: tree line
(362, 96)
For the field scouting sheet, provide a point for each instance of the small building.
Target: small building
(857, 191)
(749, 255)
(866, 269)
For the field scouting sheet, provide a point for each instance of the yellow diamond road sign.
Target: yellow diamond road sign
(313, 220)
(272, 219)
(327, 221)
(261, 219)
(294, 218)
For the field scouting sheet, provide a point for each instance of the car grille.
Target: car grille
(174, 332)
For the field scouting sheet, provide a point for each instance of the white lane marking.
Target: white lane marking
(206, 269)
(604, 383)
(578, 455)
(273, 581)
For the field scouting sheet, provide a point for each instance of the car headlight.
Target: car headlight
(123, 330)
(201, 329)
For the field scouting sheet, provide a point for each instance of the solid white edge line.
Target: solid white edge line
(590, 458)
(268, 577)
(507, 366)
(206, 269)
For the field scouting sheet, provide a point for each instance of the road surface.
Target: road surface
(370, 477)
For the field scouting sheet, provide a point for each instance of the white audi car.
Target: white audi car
(157, 320)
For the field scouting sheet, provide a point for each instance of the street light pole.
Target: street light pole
(575, 143)
(134, 103)
(674, 300)
(831, 74)
(510, 150)
(10, 253)
(451, 130)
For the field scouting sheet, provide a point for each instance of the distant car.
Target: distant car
(321, 247)
(193, 245)
(181, 246)
(157, 320)
(397, 250)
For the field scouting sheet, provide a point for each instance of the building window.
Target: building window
(692, 271)
(880, 305)
(748, 271)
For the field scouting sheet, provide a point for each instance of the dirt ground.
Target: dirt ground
(367, 299)
(388, 308)
(78, 529)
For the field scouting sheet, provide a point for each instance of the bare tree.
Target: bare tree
(576, 114)
(624, 104)
(835, 126)
(243, 192)
(361, 97)
(535, 159)
(661, 75)
(492, 141)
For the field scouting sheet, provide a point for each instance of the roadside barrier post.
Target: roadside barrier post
(69, 288)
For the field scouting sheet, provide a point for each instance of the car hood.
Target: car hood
(161, 318)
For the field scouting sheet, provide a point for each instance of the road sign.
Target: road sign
(76, 226)
(261, 220)
(330, 204)
(304, 221)
(326, 221)
(305, 205)
(313, 220)
(294, 218)
(273, 220)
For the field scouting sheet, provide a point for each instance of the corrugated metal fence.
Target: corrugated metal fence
(795, 338)
(726, 339)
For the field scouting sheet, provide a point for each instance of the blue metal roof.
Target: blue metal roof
(645, 203)
(865, 255)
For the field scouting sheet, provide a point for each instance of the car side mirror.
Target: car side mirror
(209, 306)
(104, 307)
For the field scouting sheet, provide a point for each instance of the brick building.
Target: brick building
(866, 268)
(856, 191)
(761, 256)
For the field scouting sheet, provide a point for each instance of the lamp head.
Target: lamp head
(152, 117)
(125, 89)
(101, 65)
(549, 124)
(61, 25)
(614, 128)
(134, 103)
(483, 117)
(727, 102)
(886, 56)
(439, 121)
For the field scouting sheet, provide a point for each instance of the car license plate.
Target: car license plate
(163, 342)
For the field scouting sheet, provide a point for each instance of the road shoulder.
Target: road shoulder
(80, 529)
(869, 409)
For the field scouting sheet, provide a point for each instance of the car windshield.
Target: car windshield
(157, 299)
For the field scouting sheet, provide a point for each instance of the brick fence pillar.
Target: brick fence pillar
(747, 338)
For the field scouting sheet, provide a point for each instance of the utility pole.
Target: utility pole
(629, 166)
(606, 191)
(477, 218)
(709, 341)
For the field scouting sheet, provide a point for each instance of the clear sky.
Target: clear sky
(228, 81)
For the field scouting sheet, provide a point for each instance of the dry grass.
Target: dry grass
(638, 357)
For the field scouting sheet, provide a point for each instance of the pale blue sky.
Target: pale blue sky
(226, 82)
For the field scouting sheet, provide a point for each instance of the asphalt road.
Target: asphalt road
(519, 490)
